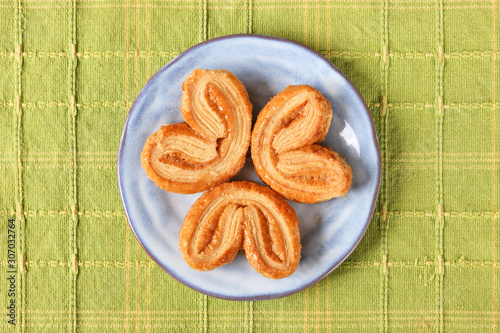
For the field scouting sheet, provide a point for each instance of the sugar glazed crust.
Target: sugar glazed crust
(211, 145)
(242, 216)
(284, 149)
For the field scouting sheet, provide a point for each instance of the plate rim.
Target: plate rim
(353, 88)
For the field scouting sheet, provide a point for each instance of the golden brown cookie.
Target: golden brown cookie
(242, 215)
(211, 146)
(284, 149)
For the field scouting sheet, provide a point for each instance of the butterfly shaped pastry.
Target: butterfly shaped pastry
(211, 145)
(244, 216)
(285, 149)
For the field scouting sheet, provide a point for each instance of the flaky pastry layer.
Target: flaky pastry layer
(242, 216)
(284, 149)
(211, 146)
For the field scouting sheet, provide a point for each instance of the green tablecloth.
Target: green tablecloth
(429, 71)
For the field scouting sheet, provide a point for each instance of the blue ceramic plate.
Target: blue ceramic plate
(266, 65)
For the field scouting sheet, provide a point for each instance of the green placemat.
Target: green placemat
(429, 71)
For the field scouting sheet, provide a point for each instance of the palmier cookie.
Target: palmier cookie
(242, 215)
(211, 146)
(284, 149)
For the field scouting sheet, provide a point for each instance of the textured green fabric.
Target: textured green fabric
(429, 71)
